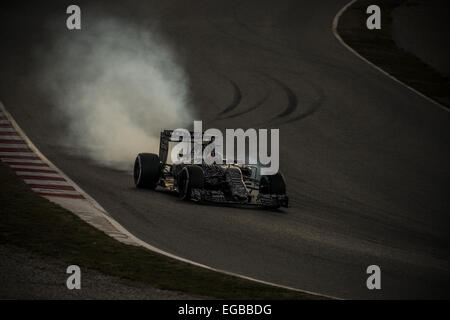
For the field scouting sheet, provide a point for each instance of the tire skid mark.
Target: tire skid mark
(237, 96)
(292, 98)
(293, 101)
(255, 106)
(314, 106)
(258, 103)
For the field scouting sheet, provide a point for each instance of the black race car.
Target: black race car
(240, 184)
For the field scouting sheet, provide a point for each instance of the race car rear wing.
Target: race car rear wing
(166, 137)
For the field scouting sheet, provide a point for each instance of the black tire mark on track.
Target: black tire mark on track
(293, 101)
(314, 106)
(258, 103)
(292, 98)
(237, 96)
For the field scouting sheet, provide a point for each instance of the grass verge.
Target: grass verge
(378, 47)
(32, 222)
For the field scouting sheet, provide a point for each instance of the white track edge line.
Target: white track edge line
(336, 34)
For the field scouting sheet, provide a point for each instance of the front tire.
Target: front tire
(147, 170)
(191, 177)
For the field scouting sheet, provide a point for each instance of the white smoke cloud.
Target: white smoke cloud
(116, 87)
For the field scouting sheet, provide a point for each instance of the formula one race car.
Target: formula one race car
(240, 184)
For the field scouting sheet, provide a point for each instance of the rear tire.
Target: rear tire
(190, 177)
(147, 170)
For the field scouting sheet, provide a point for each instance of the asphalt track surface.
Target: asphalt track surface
(366, 160)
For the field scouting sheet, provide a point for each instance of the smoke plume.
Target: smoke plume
(115, 87)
